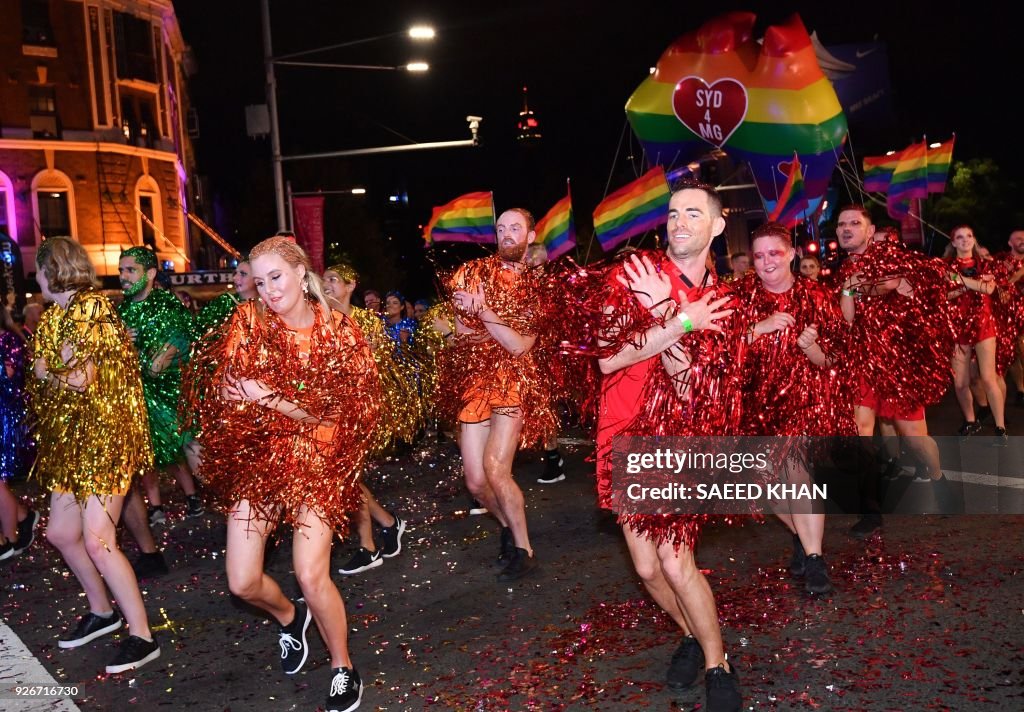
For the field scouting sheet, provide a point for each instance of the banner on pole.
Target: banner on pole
(309, 228)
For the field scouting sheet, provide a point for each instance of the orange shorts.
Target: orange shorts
(482, 400)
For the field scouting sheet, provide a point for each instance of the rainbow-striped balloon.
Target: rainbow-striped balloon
(761, 103)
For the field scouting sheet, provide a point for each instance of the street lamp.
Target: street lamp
(418, 32)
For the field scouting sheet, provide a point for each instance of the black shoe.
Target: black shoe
(866, 526)
(921, 474)
(476, 508)
(89, 628)
(687, 663)
(194, 507)
(1001, 439)
(798, 562)
(722, 689)
(26, 532)
(817, 580)
(294, 648)
(391, 538)
(362, 560)
(149, 566)
(553, 468)
(890, 469)
(6, 550)
(968, 428)
(346, 691)
(984, 413)
(133, 653)
(519, 565)
(946, 498)
(508, 546)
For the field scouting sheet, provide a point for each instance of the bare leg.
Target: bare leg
(64, 531)
(961, 363)
(648, 567)
(247, 536)
(472, 443)
(986, 351)
(377, 512)
(151, 482)
(695, 599)
(8, 513)
(311, 556)
(100, 535)
(184, 477)
(137, 521)
(498, 456)
(922, 444)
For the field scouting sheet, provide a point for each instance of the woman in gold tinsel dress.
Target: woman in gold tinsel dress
(91, 426)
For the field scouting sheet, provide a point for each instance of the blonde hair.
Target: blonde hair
(65, 264)
(288, 250)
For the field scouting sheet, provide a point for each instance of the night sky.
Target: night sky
(580, 61)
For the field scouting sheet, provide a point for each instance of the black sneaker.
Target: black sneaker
(866, 526)
(519, 565)
(89, 628)
(686, 666)
(133, 653)
(722, 689)
(26, 532)
(476, 508)
(1001, 439)
(507, 547)
(891, 469)
(346, 691)
(6, 550)
(798, 562)
(968, 428)
(157, 516)
(294, 648)
(149, 566)
(194, 507)
(553, 468)
(391, 538)
(362, 560)
(946, 498)
(817, 580)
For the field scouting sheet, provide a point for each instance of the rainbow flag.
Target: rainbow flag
(557, 229)
(909, 180)
(878, 171)
(468, 218)
(792, 204)
(636, 208)
(939, 160)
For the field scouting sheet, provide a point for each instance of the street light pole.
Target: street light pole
(275, 134)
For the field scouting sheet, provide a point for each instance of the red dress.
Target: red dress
(972, 311)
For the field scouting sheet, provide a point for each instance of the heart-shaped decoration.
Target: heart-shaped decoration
(714, 111)
(785, 167)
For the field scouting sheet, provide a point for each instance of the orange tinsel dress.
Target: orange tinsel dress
(277, 463)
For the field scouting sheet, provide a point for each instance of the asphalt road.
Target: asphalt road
(926, 616)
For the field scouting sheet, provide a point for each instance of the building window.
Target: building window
(133, 38)
(42, 104)
(54, 213)
(148, 234)
(5, 225)
(36, 29)
(138, 117)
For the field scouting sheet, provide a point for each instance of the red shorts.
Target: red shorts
(888, 409)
